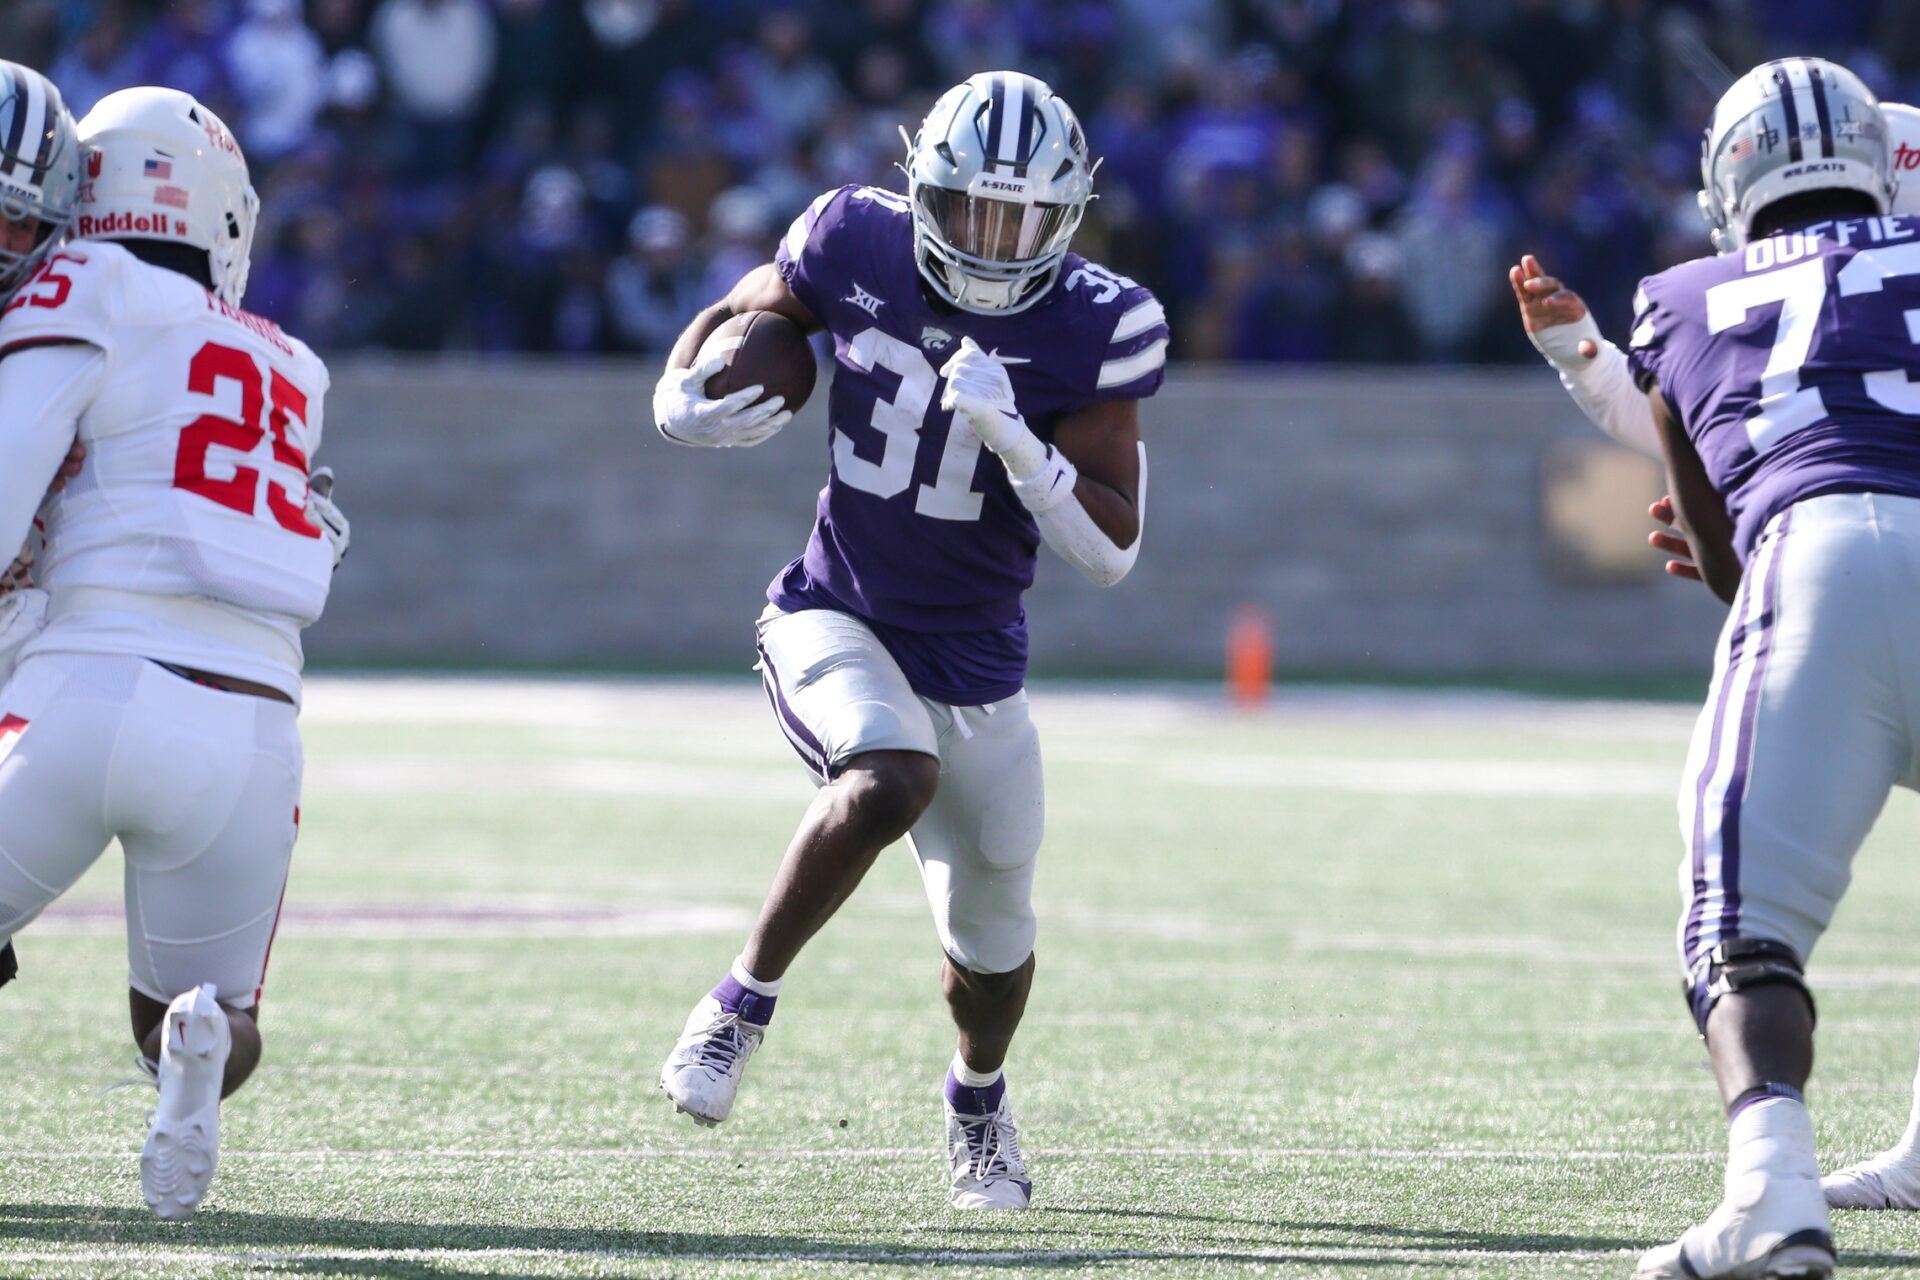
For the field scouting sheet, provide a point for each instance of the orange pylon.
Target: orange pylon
(1249, 657)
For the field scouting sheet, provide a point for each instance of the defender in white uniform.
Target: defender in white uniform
(157, 705)
(1595, 374)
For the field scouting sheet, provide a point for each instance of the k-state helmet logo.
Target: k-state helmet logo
(937, 339)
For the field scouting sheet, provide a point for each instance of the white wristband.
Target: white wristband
(1048, 487)
(1561, 343)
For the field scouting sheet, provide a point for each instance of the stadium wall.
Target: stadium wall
(525, 513)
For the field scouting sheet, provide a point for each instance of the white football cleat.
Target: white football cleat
(702, 1074)
(1891, 1180)
(1771, 1226)
(183, 1134)
(983, 1152)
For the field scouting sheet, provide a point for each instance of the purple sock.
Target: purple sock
(1760, 1093)
(972, 1101)
(751, 1007)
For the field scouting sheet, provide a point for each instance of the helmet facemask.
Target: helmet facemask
(991, 254)
(40, 182)
(16, 268)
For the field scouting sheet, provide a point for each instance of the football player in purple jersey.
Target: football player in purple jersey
(1597, 375)
(985, 400)
(1777, 378)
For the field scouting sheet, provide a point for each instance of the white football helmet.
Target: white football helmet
(1785, 128)
(998, 180)
(1903, 155)
(162, 167)
(39, 168)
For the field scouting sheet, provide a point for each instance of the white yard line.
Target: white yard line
(445, 921)
(805, 1252)
(1437, 1155)
(574, 775)
(1075, 715)
(1385, 775)
(625, 776)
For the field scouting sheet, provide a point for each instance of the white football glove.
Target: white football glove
(332, 521)
(979, 390)
(685, 415)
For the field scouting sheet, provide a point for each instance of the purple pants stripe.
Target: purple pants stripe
(1743, 761)
(1735, 654)
(799, 737)
(1754, 636)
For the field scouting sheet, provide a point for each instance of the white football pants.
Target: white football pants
(201, 788)
(1811, 720)
(837, 692)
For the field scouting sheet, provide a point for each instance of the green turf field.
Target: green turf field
(1366, 986)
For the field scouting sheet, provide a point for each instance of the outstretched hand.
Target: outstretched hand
(1545, 302)
(1674, 544)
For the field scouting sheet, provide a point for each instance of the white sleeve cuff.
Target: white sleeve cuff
(1561, 343)
(1049, 486)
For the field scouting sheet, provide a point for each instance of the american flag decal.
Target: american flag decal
(159, 170)
(11, 727)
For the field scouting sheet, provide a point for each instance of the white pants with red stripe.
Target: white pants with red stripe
(837, 692)
(1813, 717)
(199, 786)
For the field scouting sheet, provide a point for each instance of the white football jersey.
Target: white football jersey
(185, 538)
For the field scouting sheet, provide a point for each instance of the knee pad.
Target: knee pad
(9, 966)
(1739, 964)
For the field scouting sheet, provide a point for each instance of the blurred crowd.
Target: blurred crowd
(1300, 180)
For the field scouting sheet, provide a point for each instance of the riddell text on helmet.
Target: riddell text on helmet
(152, 224)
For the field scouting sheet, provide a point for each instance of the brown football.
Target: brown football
(761, 348)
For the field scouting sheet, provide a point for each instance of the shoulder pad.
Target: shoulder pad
(72, 298)
(839, 237)
(1653, 324)
(1133, 324)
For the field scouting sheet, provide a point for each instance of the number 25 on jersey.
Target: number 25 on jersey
(268, 403)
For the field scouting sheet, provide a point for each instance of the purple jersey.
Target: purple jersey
(918, 530)
(1787, 363)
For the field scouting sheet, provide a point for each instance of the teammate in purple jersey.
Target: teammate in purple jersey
(1778, 378)
(894, 650)
(1598, 377)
